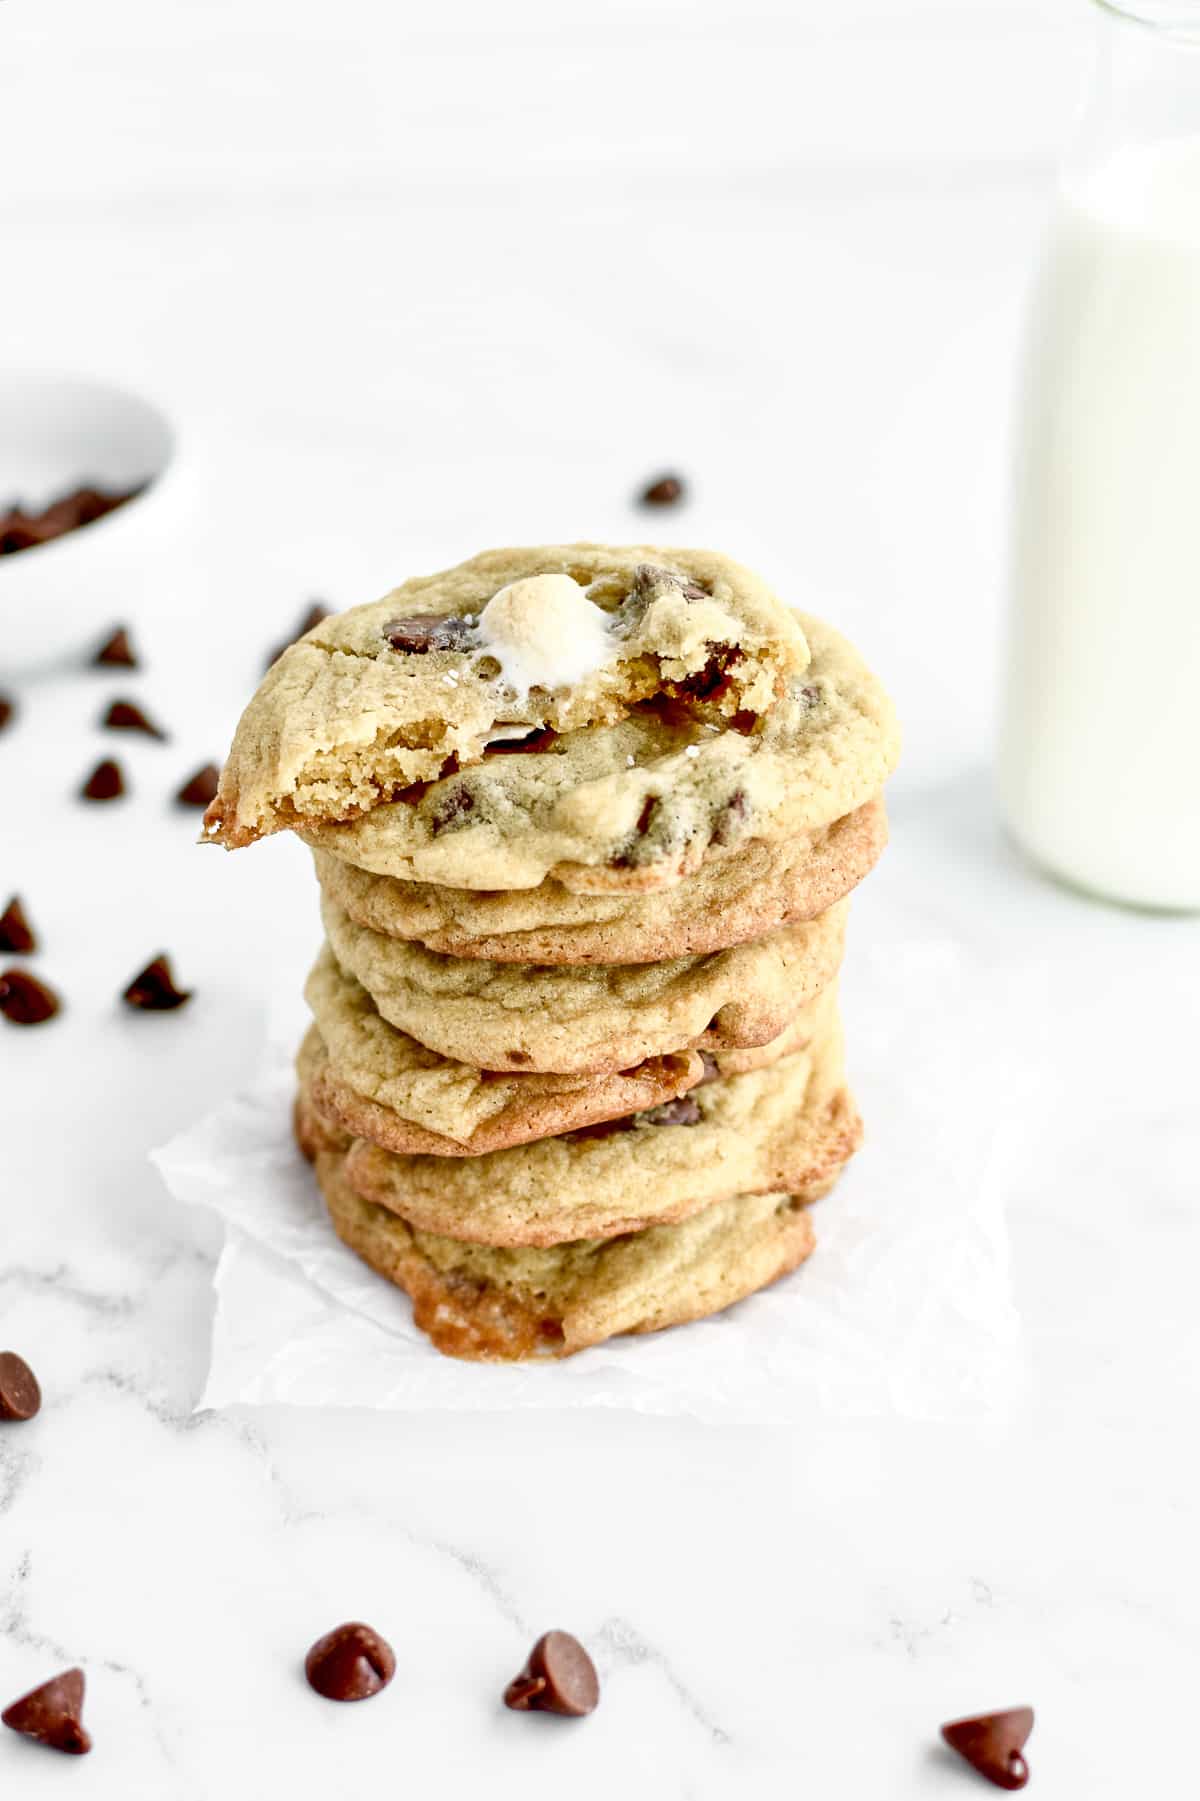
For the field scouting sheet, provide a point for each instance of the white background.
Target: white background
(411, 280)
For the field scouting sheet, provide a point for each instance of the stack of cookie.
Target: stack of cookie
(584, 822)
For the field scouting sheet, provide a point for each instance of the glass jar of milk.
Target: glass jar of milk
(1100, 738)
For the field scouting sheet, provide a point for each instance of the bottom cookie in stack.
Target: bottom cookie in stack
(630, 1225)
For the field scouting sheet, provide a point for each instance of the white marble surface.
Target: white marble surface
(409, 284)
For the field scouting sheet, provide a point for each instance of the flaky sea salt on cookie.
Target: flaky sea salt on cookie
(511, 644)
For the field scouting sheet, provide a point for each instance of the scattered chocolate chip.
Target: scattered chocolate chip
(53, 1714)
(731, 820)
(992, 1743)
(663, 491)
(308, 621)
(20, 1396)
(541, 737)
(154, 990)
(454, 805)
(123, 716)
(24, 1001)
(417, 633)
(8, 710)
(350, 1663)
(684, 1110)
(200, 789)
(105, 782)
(16, 934)
(558, 1677)
(20, 530)
(116, 652)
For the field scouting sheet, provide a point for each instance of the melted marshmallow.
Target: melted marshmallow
(545, 633)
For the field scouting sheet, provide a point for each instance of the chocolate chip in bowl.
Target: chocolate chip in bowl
(82, 468)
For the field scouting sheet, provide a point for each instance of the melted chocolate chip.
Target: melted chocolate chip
(539, 738)
(20, 1396)
(116, 652)
(307, 623)
(351, 1663)
(123, 716)
(731, 820)
(684, 1110)
(24, 1001)
(200, 789)
(558, 1677)
(992, 1743)
(154, 990)
(455, 805)
(105, 782)
(16, 934)
(664, 491)
(53, 1714)
(8, 710)
(649, 578)
(416, 633)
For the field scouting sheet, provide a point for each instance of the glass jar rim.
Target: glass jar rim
(1178, 19)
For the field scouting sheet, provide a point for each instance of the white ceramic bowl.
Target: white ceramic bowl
(58, 432)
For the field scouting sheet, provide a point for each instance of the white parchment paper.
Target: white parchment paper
(903, 1308)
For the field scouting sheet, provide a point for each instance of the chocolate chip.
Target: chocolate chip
(16, 934)
(810, 693)
(154, 990)
(350, 1663)
(456, 804)
(308, 622)
(663, 491)
(116, 652)
(123, 716)
(684, 1110)
(992, 1743)
(20, 1396)
(20, 530)
(200, 789)
(558, 1677)
(416, 633)
(8, 710)
(105, 782)
(53, 1714)
(652, 578)
(539, 738)
(24, 1001)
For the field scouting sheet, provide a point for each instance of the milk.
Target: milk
(1100, 742)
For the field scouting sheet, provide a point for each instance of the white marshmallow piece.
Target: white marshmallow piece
(545, 633)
